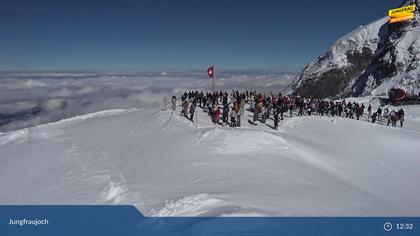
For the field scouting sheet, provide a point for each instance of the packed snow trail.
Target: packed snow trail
(168, 167)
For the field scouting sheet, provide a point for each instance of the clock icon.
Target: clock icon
(387, 227)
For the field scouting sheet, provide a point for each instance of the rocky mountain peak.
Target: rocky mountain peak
(367, 61)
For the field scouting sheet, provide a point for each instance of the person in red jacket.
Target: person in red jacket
(217, 115)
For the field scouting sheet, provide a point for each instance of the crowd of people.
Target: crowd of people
(228, 109)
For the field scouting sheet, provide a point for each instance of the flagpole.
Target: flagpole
(213, 84)
(213, 77)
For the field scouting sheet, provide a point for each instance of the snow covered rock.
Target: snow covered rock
(367, 61)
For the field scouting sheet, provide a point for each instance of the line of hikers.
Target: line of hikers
(229, 109)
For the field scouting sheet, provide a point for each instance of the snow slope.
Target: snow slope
(163, 164)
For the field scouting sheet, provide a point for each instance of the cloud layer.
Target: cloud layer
(28, 99)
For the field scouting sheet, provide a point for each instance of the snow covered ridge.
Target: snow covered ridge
(160, 162)
(368, 61)
(22, 134)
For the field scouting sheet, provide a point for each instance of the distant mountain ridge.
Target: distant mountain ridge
(368, 61)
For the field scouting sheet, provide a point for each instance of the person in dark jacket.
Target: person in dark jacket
(401, 116)
(357, 111)
(192, 111)
(225, 100)
(300, 105)
(374, 115)
(276, 119)
(369, 111)
(379, 113)
(225, 114)
(340, 109)
(256, 114)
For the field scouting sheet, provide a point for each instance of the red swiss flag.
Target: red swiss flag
(210, 71)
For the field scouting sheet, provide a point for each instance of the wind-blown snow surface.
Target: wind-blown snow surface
(160, 162)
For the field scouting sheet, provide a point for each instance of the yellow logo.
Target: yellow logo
(403, 11)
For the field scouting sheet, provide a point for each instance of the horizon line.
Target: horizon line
(283, 68)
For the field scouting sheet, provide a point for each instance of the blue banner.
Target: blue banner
(127, 220)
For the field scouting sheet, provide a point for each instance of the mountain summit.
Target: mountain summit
(368, 61)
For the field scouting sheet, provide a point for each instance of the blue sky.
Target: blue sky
(139, 35)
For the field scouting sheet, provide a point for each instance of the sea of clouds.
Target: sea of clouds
(34, 98)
